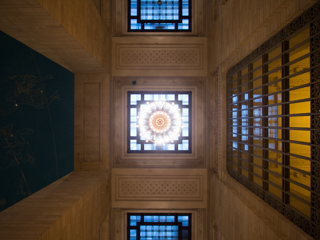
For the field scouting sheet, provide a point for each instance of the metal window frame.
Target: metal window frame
(175, 22)
(189, 138)
(311, 225)
(175, 223)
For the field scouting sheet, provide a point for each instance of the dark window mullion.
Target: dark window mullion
(285, 124)
(265, 141)
(250, 122)
(315, 122)
(239, 123)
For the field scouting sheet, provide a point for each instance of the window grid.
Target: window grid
(159, 16)
(274, 122)
(155, 226)
(138, 144)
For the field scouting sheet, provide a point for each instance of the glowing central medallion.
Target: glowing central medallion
(160, 122)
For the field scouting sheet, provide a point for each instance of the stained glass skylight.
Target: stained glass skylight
(159, 15)
(159, 122)
(159, 226)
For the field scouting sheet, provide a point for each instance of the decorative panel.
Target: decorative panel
(151, 187)
(154, 187)
(165, 57)
(215, 92)
(157, 56)
(91, 122)
(122, 158)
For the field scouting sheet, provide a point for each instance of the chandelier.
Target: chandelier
(160, 122)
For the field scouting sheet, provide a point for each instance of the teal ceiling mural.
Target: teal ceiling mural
(36, 121)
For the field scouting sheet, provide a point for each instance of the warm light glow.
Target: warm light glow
(160, 122)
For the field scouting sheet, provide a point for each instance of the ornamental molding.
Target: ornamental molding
(156, 187)
(157, 56)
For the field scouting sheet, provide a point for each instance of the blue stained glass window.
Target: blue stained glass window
(159, 226)
(161, 15)
(138, 143)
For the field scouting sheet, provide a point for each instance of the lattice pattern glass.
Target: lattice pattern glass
(159, 227)
(137, 140)
(157, 16)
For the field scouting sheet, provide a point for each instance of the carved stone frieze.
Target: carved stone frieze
(150, 57)
(155, 187)
(151, 187)
(156, 56)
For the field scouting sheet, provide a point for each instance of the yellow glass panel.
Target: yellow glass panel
(235, 84)
(299, 66)
(275, 191)
(303, 121)
(245, 86)
(257, 161)
(257, 92)
(277, 74)
(299, 52)
(234, 159)
(257, 180)
(257, 141)
(257, 63)
(234, 152)
(258, 171)
(246, 157)
(244, 71)
(301, 178)
(244, 173)
(298, 135)
(257, 73)
(273, 178)
(300, 192)
(276, 52)
(300, 164)
(299, 80)
(273, 166)
(257, 151)
(235, 167)
(300, 93)
(299, 149)
(234, 77)
(302, 107)
(305, 209)
(305, 34)
(275, 87)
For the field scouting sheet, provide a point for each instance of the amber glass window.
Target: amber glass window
(274, 122)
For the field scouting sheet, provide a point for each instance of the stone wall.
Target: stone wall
(73, 207)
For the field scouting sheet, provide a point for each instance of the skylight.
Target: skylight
(159, 16)
(159, 122)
